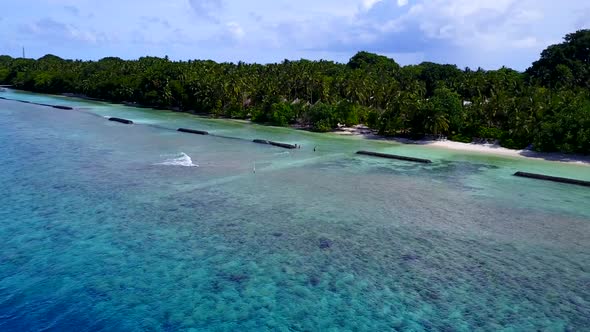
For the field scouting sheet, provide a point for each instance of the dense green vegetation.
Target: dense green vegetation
(547, 106)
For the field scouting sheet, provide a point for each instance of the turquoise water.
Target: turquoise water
(107, 227)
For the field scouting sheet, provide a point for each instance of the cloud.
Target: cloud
(583, 21)
(460, 22)
(467, 32)
(235, 31)
(528, 42)
(442, 29)
(228, 37)
(148, 21)
(368, 4)
(53, 30)
(255, 16)
(206, 8)
(72, 10)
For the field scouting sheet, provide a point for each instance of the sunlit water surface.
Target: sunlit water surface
(108, 227)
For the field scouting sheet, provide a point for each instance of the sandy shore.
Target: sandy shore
(492, 149)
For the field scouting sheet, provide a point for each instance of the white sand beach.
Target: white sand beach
(487, 148)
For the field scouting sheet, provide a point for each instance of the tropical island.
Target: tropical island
(546, 108)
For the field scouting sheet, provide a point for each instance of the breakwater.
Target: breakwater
(193, 131)
(124, 121)
(61, 107)
(552, 178)
(393, 156)
(278, 144)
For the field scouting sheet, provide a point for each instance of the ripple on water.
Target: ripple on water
(95, 236)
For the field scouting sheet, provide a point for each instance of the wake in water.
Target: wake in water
(181, 159)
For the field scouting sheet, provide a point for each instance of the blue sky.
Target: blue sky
(487, 33)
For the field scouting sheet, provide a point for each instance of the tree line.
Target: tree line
(546, 107)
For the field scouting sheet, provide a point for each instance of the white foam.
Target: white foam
(181, 159)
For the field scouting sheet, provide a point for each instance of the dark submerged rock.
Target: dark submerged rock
(410, 257)
(325, 243)
(314, 280)
(237, 278)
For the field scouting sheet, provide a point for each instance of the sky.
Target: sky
(469, 33)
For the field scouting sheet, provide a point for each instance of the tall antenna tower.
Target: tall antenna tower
(23, 52)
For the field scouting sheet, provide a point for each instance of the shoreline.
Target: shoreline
(367, 133)
(483, 148)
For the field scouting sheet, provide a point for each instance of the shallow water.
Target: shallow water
(111, 227)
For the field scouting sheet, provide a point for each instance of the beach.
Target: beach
(484, 148)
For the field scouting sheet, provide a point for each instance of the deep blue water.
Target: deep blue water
(107, 227)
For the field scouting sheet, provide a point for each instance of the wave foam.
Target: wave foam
(181, 159)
